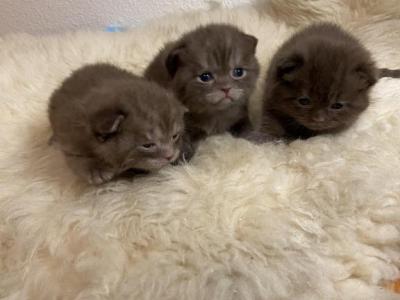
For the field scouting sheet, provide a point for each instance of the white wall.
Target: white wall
(49, 16)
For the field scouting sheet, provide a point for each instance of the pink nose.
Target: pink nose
(169, 157)
(319, 117)
(169, 154)
(226, 90)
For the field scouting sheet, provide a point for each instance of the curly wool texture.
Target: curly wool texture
(316, 219)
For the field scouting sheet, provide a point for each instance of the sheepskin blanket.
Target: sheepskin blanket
(316, 219)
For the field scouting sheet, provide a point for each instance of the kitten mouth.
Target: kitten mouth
(224, 101)
(162, 161)
(317, 127)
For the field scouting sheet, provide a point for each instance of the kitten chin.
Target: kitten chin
(318, 82)
(212, 70)
(108, 121)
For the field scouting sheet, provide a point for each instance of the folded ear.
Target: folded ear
(367, 75)
(174, 60)
(288, 66)
(252, 41)
(107, 123)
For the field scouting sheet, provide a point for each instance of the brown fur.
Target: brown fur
(102, 116)
(218, 49)
(392, 73)
(326, 65)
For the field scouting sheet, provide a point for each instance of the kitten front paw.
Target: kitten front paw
(258, 137)
(99, 176)
(187, 152)
(187, 155)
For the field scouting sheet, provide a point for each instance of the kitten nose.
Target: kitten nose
(319, 117)
(168, 154)
(226, 90)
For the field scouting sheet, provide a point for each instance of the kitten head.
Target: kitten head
(142, 131)
(127, 124)
(323, 86)
(213, 67)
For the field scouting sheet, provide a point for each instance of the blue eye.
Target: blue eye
(238, 72)
(206, 77)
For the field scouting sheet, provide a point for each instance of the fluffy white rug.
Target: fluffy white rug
(318, 219)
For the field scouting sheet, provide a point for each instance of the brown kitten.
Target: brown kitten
(107, 121)
(318, 82)
(212, 70)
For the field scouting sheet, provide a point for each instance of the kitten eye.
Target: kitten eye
(148, 146)
(175, 136)
(205, 77)
(238, 73)
(304, 101)
(337, 105)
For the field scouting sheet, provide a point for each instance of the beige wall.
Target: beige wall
(48, 16)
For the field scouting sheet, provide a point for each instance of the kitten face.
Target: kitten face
(322, 99)
(214, 68)
(115, 124)
(323, 86)
(132, 135)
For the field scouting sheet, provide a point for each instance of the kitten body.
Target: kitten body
(107, 121)
(212, 70)
(318, 82)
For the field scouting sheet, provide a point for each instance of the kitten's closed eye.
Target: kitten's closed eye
(176, 136)
(337, 105)
(147, 147)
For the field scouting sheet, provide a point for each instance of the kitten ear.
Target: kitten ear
(366, 75)
(288, 66)
(252, 41)
(174, 60)
(106, 124)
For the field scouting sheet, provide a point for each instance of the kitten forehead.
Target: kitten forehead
(148, 108)
(217, 45)
(329, 59)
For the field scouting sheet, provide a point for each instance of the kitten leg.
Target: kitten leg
(270, 131)
(242, 127)
(188, 149)
(99, 176)
(258, 137)
(89, 170)
(190, 141)
(270, 125)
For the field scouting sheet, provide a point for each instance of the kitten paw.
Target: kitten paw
(187, 152)
(258, 137)
(98, 176)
